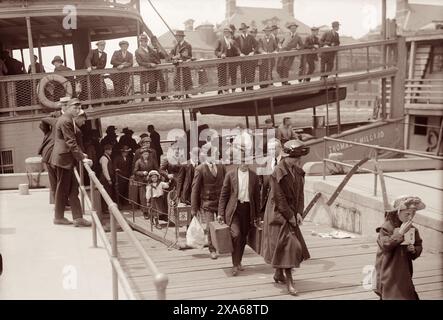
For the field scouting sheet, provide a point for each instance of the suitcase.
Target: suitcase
(221, 237)
(255, 239)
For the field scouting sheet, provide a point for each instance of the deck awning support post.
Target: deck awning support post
(184, 120)
(64, 55)
(271, 107)
(337, 93)
(257, 124)
(30, 44)
(440, 134)
(383, 80)
(247, 122)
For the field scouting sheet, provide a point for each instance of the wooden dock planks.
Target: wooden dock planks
(335, 271)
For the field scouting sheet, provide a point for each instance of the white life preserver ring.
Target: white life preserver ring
(432, 139)
(44, 82)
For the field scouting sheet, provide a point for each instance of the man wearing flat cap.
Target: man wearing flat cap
(330, 38)
(121, 59)
(64, 157)
(149, 56)
(248, 47)
(227, 47)
(312, 42)
(59, 90)
(292, 42)
(182, 52)
(267, 44)
(96, 59)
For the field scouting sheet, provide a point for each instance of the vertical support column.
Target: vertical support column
(383, 80)
(440, 134)
(184, 120)
(407, 130)
(39, 45)
(82, 185)
(94, 226)
(412, 52)
(375, 172)
(247, 122)
(64, 55)
(397, 98)
(257, 124)
(114, 251)
(30, 44)
(337, 99)
(271, 106)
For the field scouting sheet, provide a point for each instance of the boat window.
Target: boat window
(6, 162)
(420, 126)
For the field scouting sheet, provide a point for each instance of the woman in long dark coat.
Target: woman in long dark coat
(284, 247)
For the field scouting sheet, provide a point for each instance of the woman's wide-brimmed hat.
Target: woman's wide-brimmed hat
(125, 148)
(408, 202)
(295, 149)
(153, 172)
(57, 58)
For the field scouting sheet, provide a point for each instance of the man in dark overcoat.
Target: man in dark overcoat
(226, 47)
(248, 47)
(292, 42)
(64, 156)
(206, 188)
(312, 42)
(330, 38)
(121, 60)
(149, 56)
(96, 60)
(182, 52)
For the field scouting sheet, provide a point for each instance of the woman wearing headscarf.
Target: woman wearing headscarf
(284, 247)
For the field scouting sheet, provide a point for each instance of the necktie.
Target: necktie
(275, 162)
(213, 169)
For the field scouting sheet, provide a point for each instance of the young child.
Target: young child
(399, 243)
(155, 196)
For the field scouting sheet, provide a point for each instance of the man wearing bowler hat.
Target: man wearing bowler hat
(248, 47)
(121, 59)
(226, 47)
(330, 38)
(96, 59)
(267, 44)
(182, 52)
(312, 42)
(128, 140)
(149, 56)
(292, 42)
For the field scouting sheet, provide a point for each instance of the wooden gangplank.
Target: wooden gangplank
(336, 270)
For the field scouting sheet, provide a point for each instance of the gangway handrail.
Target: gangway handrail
(160, 279)
(418, 154)
(378, 172)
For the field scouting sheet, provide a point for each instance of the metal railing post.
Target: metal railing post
(82, 184)
(375, 172)
(324, 159)
(161, 282)
(114, 251)
(94, 225)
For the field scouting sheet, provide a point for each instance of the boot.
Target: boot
(157, 225)
(279, 276)
(290, 282)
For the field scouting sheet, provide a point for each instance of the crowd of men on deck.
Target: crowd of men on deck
(231, 44)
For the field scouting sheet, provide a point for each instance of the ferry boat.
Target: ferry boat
(24, 102)
(36, 24)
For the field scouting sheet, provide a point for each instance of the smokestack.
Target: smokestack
(230, 8)
(288, 6)
(189, 25)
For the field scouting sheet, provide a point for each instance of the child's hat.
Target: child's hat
(408, 202)
(153, 172)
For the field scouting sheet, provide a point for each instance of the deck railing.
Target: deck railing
(108, 3)
(428, 91)
(378, 172)
(24, 94)
(116, 217)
